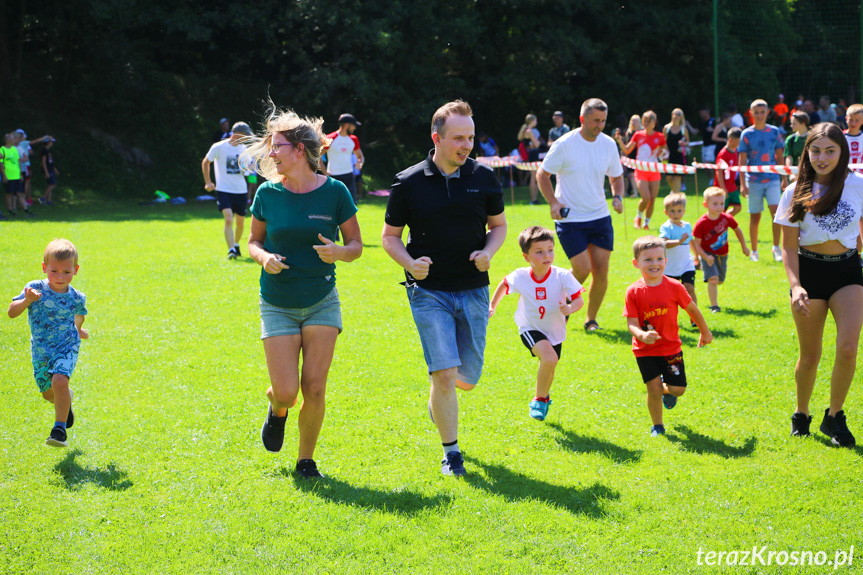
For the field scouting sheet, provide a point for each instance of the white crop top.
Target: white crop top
(840, 224)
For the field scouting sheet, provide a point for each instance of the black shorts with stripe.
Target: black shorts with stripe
(532, 337)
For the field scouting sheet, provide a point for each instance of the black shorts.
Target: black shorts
(14, 187)
(234, 202)
(686, 278)
(350, 183)
(669, 368)
(532, 337)
(822, 276)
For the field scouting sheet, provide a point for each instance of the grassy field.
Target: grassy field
(166, 473)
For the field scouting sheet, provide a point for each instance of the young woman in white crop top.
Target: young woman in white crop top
(820, 214)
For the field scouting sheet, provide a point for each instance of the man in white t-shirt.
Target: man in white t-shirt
(344, 145)
(230, 186)
(582, 159)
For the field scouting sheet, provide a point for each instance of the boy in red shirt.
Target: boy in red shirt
(725, 179)
(710, 238)
(651, 315)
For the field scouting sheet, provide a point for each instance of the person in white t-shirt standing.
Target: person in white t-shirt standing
(582, 159)
(344, 145)
(230, 186)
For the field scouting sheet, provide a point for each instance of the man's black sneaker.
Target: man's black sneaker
(237, 250)
(453, 464)
(232, 254)
(837, 430)
(273, 431)
(57, 438)
(307, 468)
(800, 424)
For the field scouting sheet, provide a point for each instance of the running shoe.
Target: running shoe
(273, 431)
(636, 223)
(308, 469)
(837, 430)
(777, 254)
(539, 409)
(657, 430)
(669, 400)
(753, 255)
(57, 438)
(800, 424)
(453, 464)
(232, 254)
(715, 309)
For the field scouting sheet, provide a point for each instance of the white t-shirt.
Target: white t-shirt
(737, 121)
(24, 149)
(855, 147)
(339, 154)
(677, 259)
(226, 159)
(539, 305)
(840, 224)
(581, 168)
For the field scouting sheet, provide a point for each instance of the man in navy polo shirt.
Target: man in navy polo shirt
(582, 159)
(454, 209)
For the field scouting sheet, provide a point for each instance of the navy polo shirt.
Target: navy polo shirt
(446, 219)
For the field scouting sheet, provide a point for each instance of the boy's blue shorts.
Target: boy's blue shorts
(44, 368)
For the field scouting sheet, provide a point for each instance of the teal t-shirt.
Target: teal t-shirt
(293, 224)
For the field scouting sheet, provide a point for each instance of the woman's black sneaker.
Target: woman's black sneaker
(307, 468)
(800, 424)
(837, 430)
(273, 431)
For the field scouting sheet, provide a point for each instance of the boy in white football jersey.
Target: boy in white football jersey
(542, 308)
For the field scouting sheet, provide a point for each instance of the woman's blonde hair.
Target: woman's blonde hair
(634, 124)
(295, 129)
(530, 118)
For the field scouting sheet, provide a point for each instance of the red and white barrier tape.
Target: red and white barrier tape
(656, 166)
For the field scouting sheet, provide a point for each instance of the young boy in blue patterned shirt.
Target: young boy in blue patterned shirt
(56, 312)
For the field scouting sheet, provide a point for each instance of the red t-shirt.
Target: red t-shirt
(655, 307)
(647, 145)
(714, 233)
(729, 158)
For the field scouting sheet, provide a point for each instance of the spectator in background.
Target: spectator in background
(826, 111)
(486, 147)
(706, 124)
(25, 151)
(780, 113)
(795, 142)
(630, 185)
(10, 174)
(676, 134)
(720, 132)
(559, 128)
(342, 146)
(224, 131)
(529, 150)
(814, 116)
(51, 172)
(736, 118)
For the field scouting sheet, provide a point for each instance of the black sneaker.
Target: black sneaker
(307, 468)
(715, 308)
(837, 430)
(57, 438)
(800, 424)
(273, 431)
(453, 464)
(237, 251)
(232, 254)
(70, 419)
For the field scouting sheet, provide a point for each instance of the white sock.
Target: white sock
(640, 214)
(447, 447)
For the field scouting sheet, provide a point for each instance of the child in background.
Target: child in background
(854, 135)
(651, 147)
(677, 235)
(651, 315)
(710, 237)
(542, 308)
(724, 179)
(56, 312)
(795, 142)
(51, 171)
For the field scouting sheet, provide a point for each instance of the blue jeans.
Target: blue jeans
(452, 328)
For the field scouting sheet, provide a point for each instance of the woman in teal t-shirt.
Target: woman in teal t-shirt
(296, 215)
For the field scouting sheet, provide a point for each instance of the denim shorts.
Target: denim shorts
(575, 236)
(771, 190)
(277, 320)
(452, 328)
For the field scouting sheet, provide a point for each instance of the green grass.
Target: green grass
(166, 474)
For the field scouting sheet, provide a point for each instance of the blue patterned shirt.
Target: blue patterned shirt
(52, 320)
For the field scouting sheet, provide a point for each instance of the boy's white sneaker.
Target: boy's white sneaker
(753, 256)
(777, 254)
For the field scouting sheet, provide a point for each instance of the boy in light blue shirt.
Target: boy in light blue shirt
(677, 235)
(56, 312)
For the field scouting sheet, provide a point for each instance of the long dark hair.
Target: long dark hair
(803, 201)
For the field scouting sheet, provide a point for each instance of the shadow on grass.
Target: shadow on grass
(690, 338)
(821, 438)
(588, 501)
(702, 444)
(613, 335)
(583, 444)
(74, 475)
(403, 502)
(741, 312)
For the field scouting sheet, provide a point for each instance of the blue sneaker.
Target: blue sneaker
(657, 430)
(669, 401)
(453, 464)
(539, 409)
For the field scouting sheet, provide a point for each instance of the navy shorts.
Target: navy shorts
(52, 178)
(532, 337)
(575, 236)
(669, 368)
(14, 187)
(234, 202)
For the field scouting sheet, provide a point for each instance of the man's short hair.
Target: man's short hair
(592, 104)
(803, 117)
(736, 132)
(674, 199)
(455, 108)
(758, 102)
(533, 234)
(645, 243)
(854, 109)
(241, 128)
(712, 192)
(60, 250)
